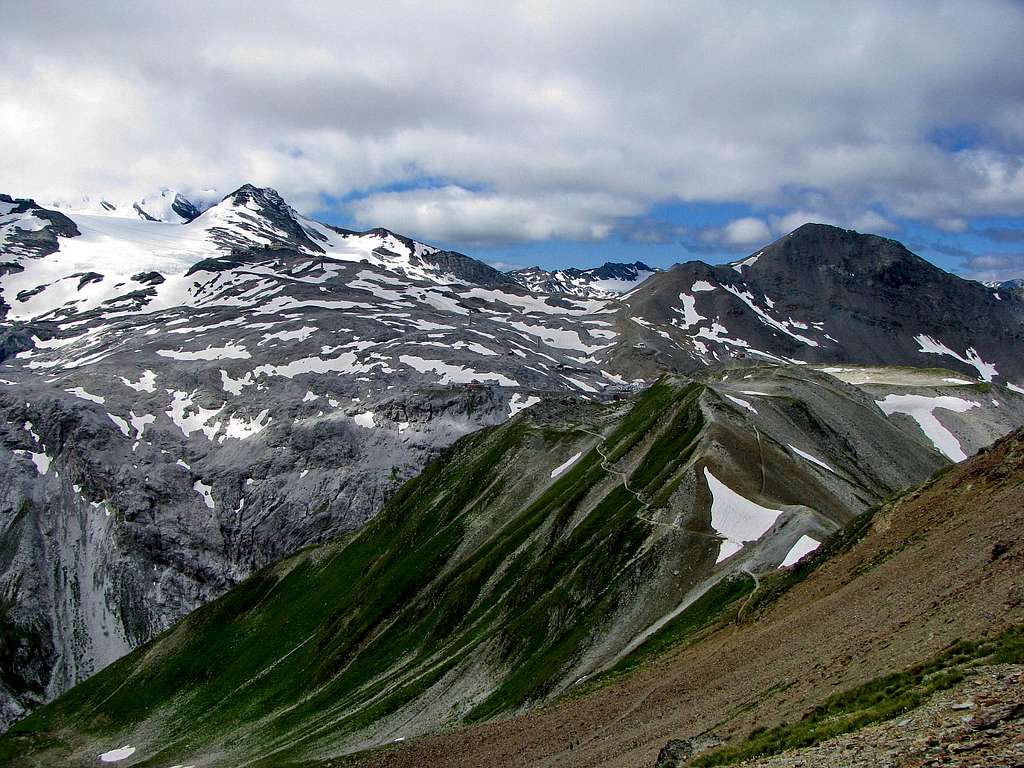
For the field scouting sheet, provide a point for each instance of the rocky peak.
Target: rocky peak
(259, 212)
(815, 245)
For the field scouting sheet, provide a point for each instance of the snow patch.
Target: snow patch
(921, 409)
(810, 458)
(79, 392)
(747, 262)
(365, 420)
(239, 428)
(736, 518)
(562, 467)
(146, 382)
(689, 311)
(518, 403)
(804, 546)
(204, 490)
(121, 424)
(117, 754)
(971, 357)
(454, 374)
(742, 403)
(229, 352)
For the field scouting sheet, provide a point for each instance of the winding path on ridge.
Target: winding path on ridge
(646, 507)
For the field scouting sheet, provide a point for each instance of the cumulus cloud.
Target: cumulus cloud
(746, 231)
(455, 214)
(796, 106)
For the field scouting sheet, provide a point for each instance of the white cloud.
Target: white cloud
(873, 222)
(790, 221)
(798, 106)
(746, 231)
(455, 214)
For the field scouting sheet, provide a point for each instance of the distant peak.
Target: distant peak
(248, 192)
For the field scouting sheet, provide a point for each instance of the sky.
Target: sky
(550, 133)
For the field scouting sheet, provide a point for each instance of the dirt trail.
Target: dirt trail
(646, 507)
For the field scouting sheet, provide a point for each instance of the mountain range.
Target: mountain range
(191, 393)
(604, 282)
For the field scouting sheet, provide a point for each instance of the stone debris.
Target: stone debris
(934, 735)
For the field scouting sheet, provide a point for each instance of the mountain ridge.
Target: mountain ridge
(606, 281)
(580, 513)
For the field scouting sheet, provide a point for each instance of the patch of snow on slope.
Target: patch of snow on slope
(117, 754)
(736, 518)
(747, 262)
(804, 546)
(204, 490)
(347, 362)
(301, 334)
(701, 285)
(41, 460)
(810, 458)
(557, 337)
(182, 402)
(234, 386)
(536, 304)
(240, 429)
(121, 424)
(742, 403)
(518, 403)
(971, 357)
(784, 326)
(454, 374)
(79, 392)
(689, 311)
(365, 420)
(921, 409)
(562, 467)
(229, 352)
(146, 382)
(579, 384)
(140, 422)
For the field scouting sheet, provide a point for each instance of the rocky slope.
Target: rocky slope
(979, 722)
(605, 282)
(823, 294)
(530, 556)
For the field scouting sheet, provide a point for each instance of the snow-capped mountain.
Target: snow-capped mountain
(1011, 289)
(166, 205)
(184, 401)
(605, 282)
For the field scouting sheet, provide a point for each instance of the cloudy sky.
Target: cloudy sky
(556, 133)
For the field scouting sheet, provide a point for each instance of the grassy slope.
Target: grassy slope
(900, 603)
(333, 639)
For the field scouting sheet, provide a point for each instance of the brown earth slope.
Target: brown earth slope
(942, 563)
